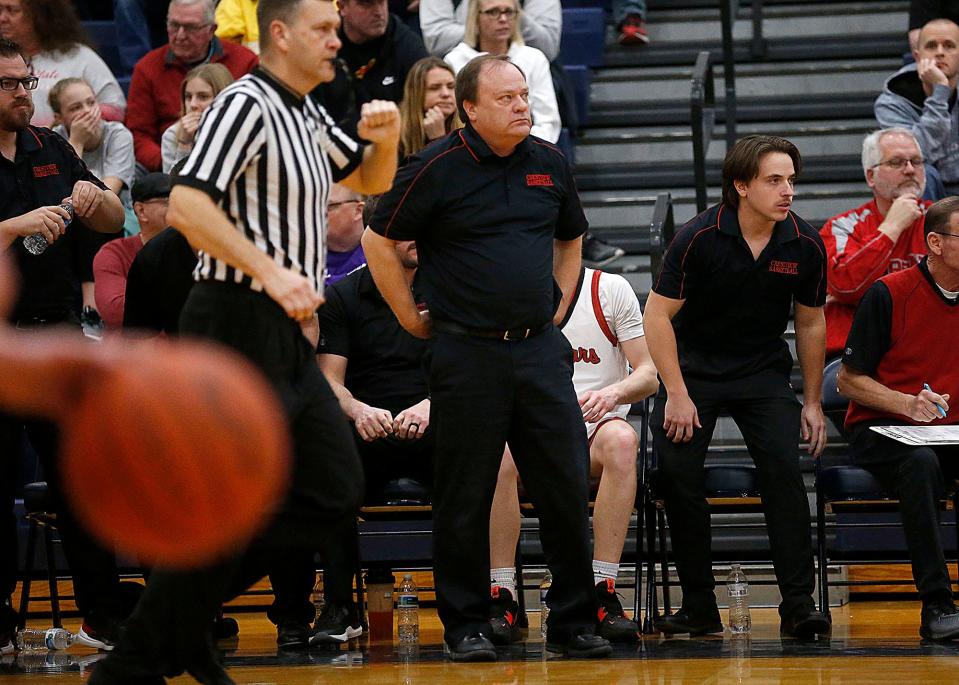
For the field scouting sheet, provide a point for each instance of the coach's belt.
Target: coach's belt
(508, 334)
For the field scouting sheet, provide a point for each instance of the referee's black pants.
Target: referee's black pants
(484, 393)
(168, 631)
(916, 475)
(766, 410)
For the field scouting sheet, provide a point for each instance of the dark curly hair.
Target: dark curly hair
(56, 25)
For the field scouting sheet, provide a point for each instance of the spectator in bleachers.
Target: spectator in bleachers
(106, 147)
(141, 26)
(879, 237)
(428, 110)
(714, 325)
(921, 98)
(158, 283)
(155, 88)
(378, 48)
(57, 47)
(199, 87)
(899, 368)
(611, 371)
(444, 22)
(112, 264)
(376, 370)
(921, 12)
(236, 21)
(344, 228)
(492, 26)
(630, 19)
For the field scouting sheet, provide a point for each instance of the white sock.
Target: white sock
(604, 570)
(504, 578)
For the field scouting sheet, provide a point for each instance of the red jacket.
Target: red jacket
(154, 101)
(857, 255)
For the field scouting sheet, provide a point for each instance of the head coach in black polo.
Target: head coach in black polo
(715, 322)
(487, 206)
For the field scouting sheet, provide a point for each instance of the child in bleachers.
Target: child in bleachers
(201, 85)
(428, 110)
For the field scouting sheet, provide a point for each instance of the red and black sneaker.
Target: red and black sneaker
(506, 621)
(633, 31)
(612, 621)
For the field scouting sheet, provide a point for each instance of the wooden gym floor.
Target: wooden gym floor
(872, 642)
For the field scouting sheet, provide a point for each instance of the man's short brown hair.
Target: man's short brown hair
(742, 162)
(267, 11)
(939, 216)
(467, 81)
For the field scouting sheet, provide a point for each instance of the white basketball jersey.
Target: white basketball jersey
(606, 311)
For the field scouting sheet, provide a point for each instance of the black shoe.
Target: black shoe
(506, 620)
(596, 253)
(293, 635)
(805, 624)
(8, 627)
(337, 624)
(474, 647)
(583, 646)
(612, 621)
(681, 622)
(225, 628)
(940, 621)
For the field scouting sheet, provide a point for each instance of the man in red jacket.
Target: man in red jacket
(899, 368)
(881, 236)
(154, 100)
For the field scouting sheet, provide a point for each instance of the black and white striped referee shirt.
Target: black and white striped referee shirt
(268, 158)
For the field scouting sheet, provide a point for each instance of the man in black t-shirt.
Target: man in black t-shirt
(714, 324)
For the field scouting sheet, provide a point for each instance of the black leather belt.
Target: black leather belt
(508, 334)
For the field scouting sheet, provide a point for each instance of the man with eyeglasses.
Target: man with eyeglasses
(39, 170)
(879, 237)
(899, 368)
(921, 97)
(344, 228)
(154, 101)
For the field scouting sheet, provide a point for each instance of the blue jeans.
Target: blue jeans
(133, 34)
(622, 8)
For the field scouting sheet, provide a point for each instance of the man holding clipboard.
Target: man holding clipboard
(899, 368)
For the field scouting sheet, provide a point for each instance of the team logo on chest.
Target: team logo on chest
(581, 354)
(539, 180)
(777, 266)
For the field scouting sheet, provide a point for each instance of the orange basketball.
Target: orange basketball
(179, 453)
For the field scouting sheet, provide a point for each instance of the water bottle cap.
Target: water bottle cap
(407, 576)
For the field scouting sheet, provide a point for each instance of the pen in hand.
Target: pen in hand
(942, 412)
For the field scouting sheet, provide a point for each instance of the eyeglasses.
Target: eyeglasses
(950, 235)
(174, 28)
(10, 83)
(898, 163)
(331, 205)
(497, 12)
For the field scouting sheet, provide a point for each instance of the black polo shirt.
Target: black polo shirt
(159, 282)
(484, 227)
(43, 173)
(385, 366)
(737, 308)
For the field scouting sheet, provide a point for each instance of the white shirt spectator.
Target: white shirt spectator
(80, 62)
(542, 97)
(112, 157)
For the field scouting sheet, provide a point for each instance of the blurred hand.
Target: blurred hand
(434, 123)
(86, 198)
(681, 417)
(372, 423)
(930, 74)
(903, 213)
(814, 428)
(411, 424)
(379, 122)
(50, 222)
(294, 292)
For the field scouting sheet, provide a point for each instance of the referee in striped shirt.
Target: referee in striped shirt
(252, 199)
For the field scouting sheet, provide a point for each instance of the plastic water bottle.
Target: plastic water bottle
(408, 606)
(543, 606)
(738, 586)
(36, 244)
(31, 640)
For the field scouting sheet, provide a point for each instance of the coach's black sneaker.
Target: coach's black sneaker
(683, 622)
(583, 646)
(596, 253)
(805, 624)
(507, 621)
(612, 622)
(337, 624)
(292, 635)
(940, 621)
(475, 647)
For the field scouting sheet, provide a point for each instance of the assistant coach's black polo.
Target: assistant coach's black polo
(484, 227)
(42, 174)
(385, 366)
(737, 308)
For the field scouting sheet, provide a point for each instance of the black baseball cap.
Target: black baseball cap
(151, 186)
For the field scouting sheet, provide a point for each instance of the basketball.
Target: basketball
(178, 453)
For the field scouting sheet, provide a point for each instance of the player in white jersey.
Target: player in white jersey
(611, 370)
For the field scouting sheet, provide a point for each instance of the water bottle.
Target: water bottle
(408, 606)
(318, 600)
(36, 244)
(31, 640)
(543, 606)
(738, 586)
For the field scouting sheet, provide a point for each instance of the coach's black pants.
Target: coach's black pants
(767, 412)
(915, 476)
(167, 631)
(484, 393)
